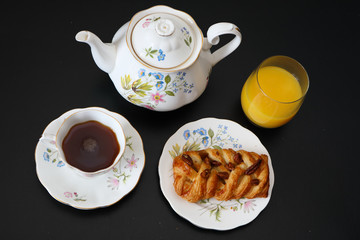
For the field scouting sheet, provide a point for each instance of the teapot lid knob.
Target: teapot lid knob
(165, 27)
(163, 38)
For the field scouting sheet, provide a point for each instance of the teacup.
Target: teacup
(90, 141)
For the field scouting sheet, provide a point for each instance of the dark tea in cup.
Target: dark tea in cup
(91, 141)
(90, 146)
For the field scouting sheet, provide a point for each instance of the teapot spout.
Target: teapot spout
(104, 54)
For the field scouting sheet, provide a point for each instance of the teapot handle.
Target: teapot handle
(213, 38)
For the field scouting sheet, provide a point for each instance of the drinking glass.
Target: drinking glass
(274, 91)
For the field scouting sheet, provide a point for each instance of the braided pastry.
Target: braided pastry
(223, 174)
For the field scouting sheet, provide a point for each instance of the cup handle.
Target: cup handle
(48, 140)
(213, 38)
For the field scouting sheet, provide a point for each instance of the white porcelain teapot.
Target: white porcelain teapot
(160, 59)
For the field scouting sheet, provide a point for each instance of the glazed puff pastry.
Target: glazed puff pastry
(224, 174)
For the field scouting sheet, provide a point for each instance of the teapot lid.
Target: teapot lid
(163, 38)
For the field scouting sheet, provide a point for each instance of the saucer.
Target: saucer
(73, 189)
(212, 133)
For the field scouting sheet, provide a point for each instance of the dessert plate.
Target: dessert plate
(212, 133)
(71, 188)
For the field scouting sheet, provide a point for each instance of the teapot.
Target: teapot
(160, 59)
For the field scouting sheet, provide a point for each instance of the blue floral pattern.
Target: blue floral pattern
(161, 56)
(187, 36)
(141, 72)
(53, 156)
(152, 88)
(157, 75)
(46, 157)
(186, 134)
(206, 138)
(159, 85)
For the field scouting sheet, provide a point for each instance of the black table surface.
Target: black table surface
(45, 73)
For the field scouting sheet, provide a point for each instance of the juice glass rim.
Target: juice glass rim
(302, 68)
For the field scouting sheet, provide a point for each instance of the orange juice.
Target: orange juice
(271, 96)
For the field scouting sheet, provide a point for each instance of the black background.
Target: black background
(45, 73)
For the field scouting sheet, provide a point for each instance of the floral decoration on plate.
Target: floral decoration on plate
(69, 187)
(211, 133)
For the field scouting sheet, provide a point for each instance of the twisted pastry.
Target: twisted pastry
(223, 174)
